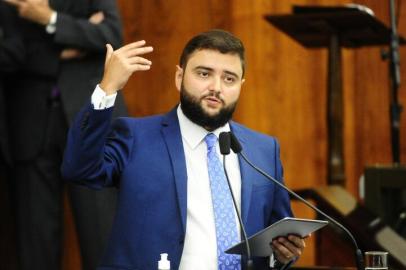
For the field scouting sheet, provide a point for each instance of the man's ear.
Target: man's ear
(242, 81)
(178, 77)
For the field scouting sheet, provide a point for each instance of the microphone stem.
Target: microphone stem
(359, 258)
(250, 265)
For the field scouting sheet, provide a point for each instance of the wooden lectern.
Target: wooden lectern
(333, 28)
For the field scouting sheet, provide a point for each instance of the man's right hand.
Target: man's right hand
(122, 63)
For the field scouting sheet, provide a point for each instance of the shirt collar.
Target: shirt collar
(194, 134)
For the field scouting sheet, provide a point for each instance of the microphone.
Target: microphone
(237, 148)
(225, 144)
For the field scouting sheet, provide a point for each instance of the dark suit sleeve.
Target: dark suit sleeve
(11, 54)
(80, 33)
(94, 155)
(11, 43)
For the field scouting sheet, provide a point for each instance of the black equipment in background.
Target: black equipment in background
(385, 195)
(394, 66)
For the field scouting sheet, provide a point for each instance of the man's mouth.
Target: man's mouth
(213, 100)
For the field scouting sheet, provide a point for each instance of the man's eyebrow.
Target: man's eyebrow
(203, 67)
(211, 69)
(232, 73)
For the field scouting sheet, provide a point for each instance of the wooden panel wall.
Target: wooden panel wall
(285, 90)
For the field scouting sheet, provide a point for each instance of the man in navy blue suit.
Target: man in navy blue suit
(162, 166)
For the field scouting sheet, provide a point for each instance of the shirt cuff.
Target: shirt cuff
(102, 101)
(272, 261)
(51, 26)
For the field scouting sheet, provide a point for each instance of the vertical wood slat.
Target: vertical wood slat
(335, 162)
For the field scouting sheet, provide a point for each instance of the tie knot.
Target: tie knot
(211, 140)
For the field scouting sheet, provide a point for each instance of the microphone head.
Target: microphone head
(235, 144)
(224, 142)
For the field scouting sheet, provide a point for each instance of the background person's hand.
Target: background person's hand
(37, 11)
(97, 17)
(122, 63)
(71, 53)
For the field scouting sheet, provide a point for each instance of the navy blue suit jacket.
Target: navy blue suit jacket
(144, 157)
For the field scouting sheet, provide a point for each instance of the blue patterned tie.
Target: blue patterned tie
(224, 217)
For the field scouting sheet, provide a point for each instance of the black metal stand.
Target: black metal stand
(395, 107)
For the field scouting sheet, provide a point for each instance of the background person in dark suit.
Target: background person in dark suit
(173, 193)
(64, 44)
(11, 59)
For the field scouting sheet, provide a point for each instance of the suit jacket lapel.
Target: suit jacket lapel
(173, 139)
(247, 173)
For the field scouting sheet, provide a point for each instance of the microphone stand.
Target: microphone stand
(237, 148)
(224, 143)
(358, 252)
(250, 263)
(395, 107)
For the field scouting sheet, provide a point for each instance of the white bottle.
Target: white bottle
(164, 263)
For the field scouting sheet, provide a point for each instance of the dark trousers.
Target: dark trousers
(7, 225)
(39, 194)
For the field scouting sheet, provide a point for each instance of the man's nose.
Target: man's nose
(216, 85)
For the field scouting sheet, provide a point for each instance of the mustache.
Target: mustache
(215, 95)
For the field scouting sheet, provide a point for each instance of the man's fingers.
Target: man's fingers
(122, 63)
(291, 247)
(137, 47)
(140, 61)
(109, 52)
(140, 67)
(138, 51)
(288, 248)
(133, 45)
(293, 244)
(283, 254)
(297, 241)
(130, 57)
(280, 256)
(134, 49)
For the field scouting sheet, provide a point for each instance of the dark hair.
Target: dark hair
(215, 39)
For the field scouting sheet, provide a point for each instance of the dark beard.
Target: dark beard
(194, 111)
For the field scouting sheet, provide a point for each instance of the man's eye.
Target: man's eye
(203, 74)
(229, 79)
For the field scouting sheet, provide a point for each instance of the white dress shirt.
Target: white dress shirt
(200, 247)
(102, 101)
